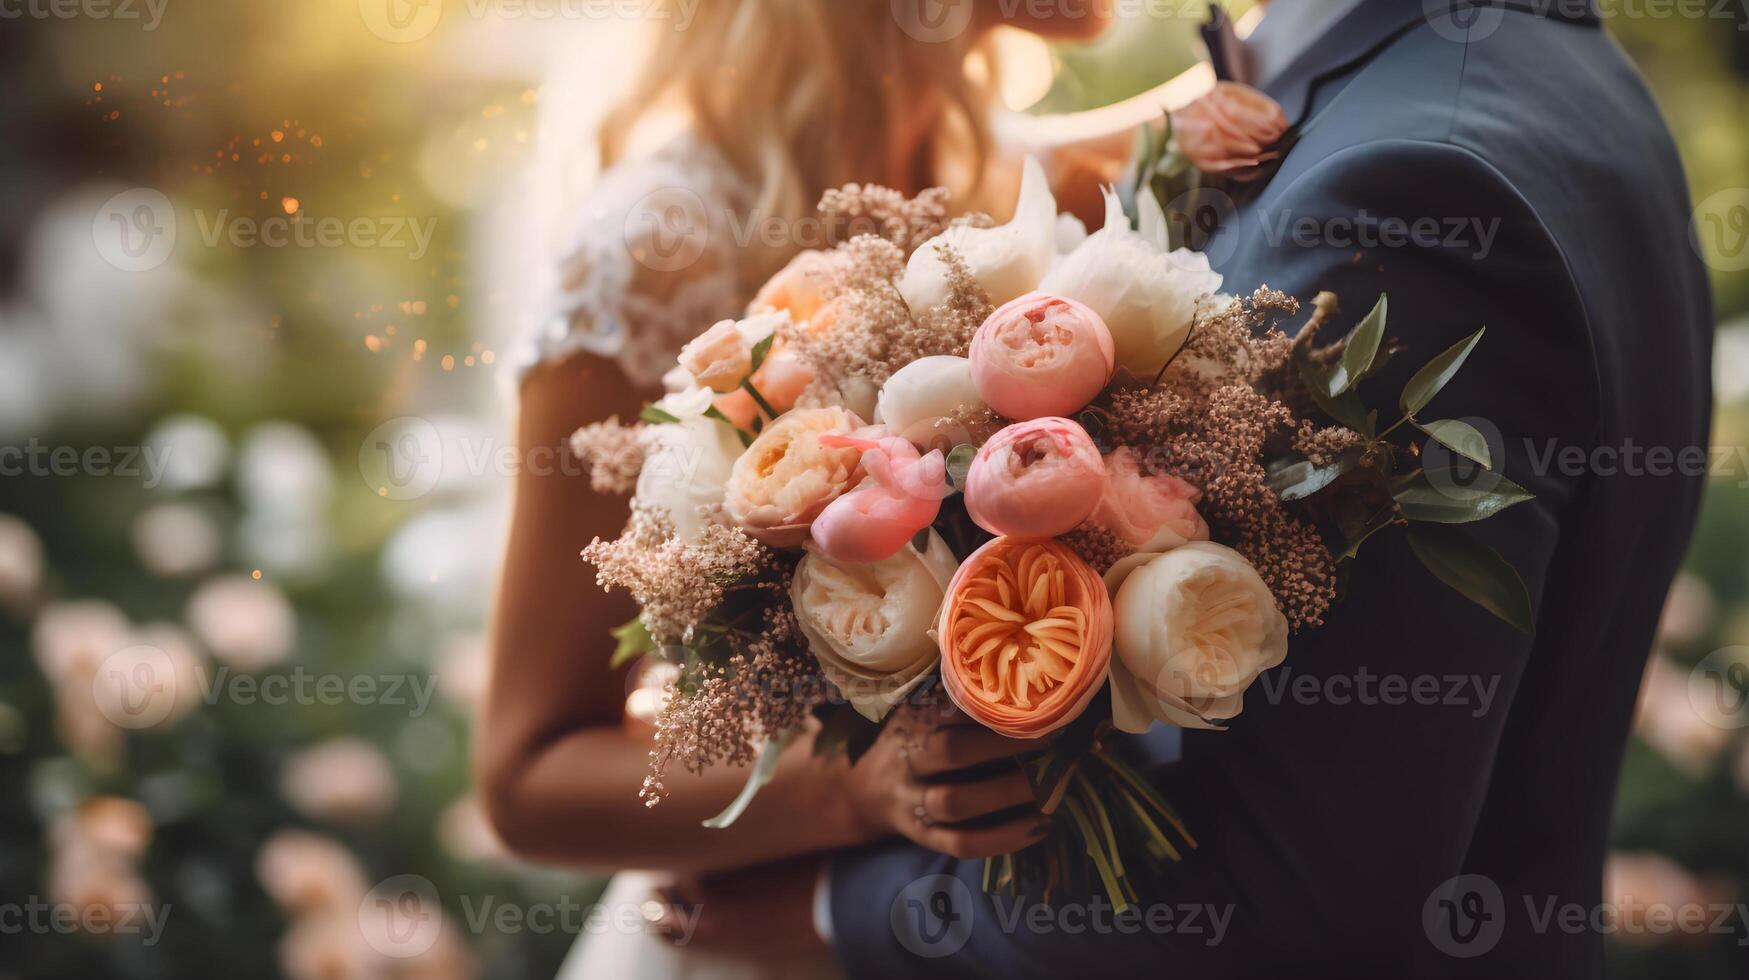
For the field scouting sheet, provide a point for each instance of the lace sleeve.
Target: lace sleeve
(650, 265)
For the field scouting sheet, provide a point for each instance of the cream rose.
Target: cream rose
(783, 481)
(687, 463)
(1195, 626)
(918, 396)
(869, 624)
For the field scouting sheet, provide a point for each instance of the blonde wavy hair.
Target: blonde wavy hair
(805, 95)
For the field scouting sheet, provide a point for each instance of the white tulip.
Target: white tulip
(923, 393)
(1195, 627)
(1008, 260)
(1146, 295)
(686, 465)
(870, 625)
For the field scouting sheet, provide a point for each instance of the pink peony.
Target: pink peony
(901, 497)
(1035, 479)
(1041, 355)
(1150, 513)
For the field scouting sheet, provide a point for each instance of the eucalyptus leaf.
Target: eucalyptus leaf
(959, 462)
(1475, 570)
(1299, 480)
(763, 770)
(1454, 504)
(1358, 353)
(1460, 437)
(634, 642)
(1435, 373)
(1345, 408)
(761, 349)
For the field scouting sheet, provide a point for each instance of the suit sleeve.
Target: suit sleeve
(1349, 788)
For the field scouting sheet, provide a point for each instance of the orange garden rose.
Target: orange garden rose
(1025, 636)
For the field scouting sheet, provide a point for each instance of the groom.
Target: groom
(1419, 786)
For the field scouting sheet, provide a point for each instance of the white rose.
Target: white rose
(686, 466)
(1146, 295)
(924, 392)
(1008, 260)
(1195, 626)
(870, 625)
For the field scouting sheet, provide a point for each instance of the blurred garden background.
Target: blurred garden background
(260, 268)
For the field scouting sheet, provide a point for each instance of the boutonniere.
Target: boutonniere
(1208, 155)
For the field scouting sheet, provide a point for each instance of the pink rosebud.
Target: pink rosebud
(1230, 131)
(1041, 355)
(1035, 479)
(1149, 513)
(901, 497)
(781, 379)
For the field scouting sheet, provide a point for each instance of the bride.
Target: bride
(782, 99)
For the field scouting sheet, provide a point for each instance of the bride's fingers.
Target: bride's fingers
(947, 749)
(957, 802)
(982, 842)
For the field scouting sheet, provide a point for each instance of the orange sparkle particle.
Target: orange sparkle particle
(277, 135)
(448, 362)
(487, 357)
(290, 204)
(97, 87)
(373, 343)
(256, 575)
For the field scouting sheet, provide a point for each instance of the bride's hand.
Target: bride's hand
(948, 784)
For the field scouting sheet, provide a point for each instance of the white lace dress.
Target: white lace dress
(651, 263)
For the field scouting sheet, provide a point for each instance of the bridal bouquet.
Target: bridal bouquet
(1058, 477)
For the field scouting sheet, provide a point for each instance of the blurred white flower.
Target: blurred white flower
(192, 450)
(174, 540)
(1731, 361)
(1668, 721)
(1688, 611)
(21, 561)
(467, 835)
(246, 623)
(462, 670)
(345, 780)
(71, 639)
(112, 824)
(94, 849)
(305, 872)
(435, 555)
(329, 946)
(283, 469)
(1649, 891)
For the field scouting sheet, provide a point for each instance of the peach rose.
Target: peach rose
(901, 497)
(1035, 479)
(798, 288)
(788, 476)
(1230, 130)
(719, 358)
(1025, 636)
(1041, 355)
(781, 379)
(1149, 513)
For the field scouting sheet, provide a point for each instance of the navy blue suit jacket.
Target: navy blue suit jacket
(1504, 168)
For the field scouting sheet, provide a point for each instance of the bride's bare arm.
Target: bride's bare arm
(558, 770)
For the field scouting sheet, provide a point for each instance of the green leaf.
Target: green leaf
(1358, 353)
(1476, 571)
(1435, 373)
(959, 461)
(656, 416)
(1345, 409)
(761, 349)
(1453, 504)
(762, 772)
(634, 642)
(1461, 438)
